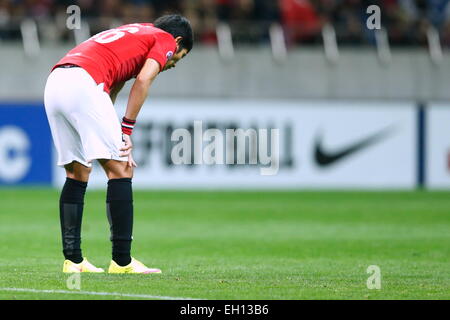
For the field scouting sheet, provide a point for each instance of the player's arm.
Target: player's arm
(115, 91)
(138, 94)
(139, 90)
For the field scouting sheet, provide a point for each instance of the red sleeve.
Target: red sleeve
(163, 48)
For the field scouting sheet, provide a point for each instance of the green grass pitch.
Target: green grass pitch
(238, 245)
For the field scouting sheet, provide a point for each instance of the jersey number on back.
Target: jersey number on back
(109, 36)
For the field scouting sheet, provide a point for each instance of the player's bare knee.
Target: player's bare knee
(125, 171)
(117, 169)
(77, 171)
(121, 171)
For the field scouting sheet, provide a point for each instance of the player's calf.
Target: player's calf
(71, 205)
(119, 208)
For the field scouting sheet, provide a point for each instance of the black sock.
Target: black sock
(71, 205)
(119, 208)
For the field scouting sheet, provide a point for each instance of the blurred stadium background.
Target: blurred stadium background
(309, 68)
(357, 110)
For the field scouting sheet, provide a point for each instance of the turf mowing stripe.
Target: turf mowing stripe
(95, 293)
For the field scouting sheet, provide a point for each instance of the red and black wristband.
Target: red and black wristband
(128, 126)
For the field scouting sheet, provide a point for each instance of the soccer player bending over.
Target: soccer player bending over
(79, 97)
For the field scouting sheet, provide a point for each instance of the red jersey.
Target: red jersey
(117, 55)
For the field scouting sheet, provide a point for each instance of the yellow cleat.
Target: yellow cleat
(134, 267)
(83, 266)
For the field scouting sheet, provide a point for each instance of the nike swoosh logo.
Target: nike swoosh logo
(325, 158)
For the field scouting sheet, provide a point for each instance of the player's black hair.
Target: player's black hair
(177, 26)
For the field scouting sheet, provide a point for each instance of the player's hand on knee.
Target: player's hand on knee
(131, 162)
(126, 149)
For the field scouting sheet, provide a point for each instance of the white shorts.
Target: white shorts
(82, 118)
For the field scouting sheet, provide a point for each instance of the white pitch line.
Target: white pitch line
(95, 293)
